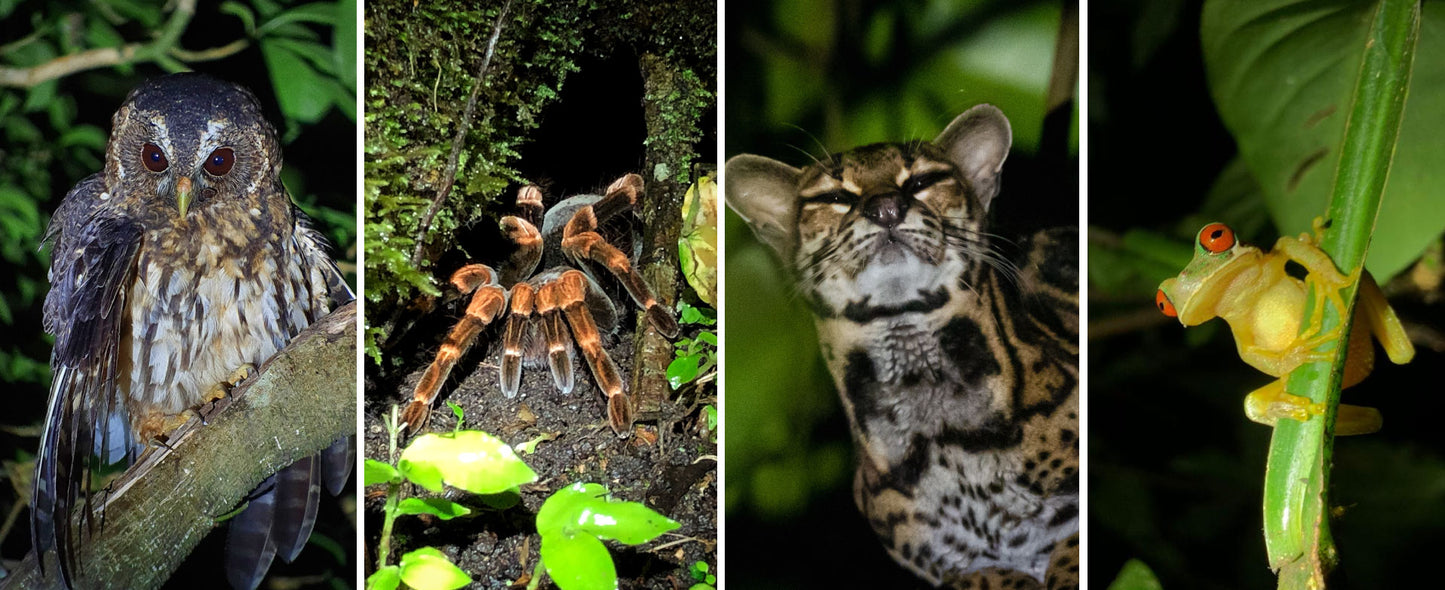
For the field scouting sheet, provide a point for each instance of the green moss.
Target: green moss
(421, 63)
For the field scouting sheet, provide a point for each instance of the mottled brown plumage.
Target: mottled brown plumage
(182, 262)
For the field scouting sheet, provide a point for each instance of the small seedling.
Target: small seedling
(705, 580)
(694, 356)
(573, 522)
(459, 413)
(709, 413)
(471, 460)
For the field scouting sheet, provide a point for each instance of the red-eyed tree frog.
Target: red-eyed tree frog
(1264, 305)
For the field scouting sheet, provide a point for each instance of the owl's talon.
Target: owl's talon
(220, 390)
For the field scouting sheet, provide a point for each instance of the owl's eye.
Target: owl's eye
(153, 158)
(220, 161)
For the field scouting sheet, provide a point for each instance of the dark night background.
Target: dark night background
(36, 143)
(1175, 470)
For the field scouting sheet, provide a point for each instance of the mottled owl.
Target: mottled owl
(174, 270)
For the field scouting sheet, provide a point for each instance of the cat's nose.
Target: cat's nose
(886, 209)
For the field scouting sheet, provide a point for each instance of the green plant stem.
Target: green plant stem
(393, 495)
(1297, 534)
(383, 547)
(537, 573)
(449, 176)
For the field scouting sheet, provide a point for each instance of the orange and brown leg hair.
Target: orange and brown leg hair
(521, 229)
(488, 300)
(570, 291)
(580, 241)
(535, 305)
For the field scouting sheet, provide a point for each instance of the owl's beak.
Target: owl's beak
(183, 194)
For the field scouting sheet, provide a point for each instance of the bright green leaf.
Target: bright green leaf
(560, 510)
(1135, 575)
(627, 522)
(315, 12)
(378, 472)
(439, 507)
(469, 459)
(586, 507)
(387, 578)
(295, 83)
(343, 42)
(1282, 74)
(578, 563)
(682, 370)
(691, 315)
(428, 569)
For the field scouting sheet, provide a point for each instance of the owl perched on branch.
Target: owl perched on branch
(175, 271)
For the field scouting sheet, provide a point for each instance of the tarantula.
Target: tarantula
(536, 304)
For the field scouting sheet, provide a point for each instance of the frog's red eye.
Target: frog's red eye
(1165, 306)
(1216, 238)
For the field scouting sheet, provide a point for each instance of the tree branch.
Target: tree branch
(161, 49)
(300, 401)
(449, 176)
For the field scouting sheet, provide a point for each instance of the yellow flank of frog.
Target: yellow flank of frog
(1263, 305)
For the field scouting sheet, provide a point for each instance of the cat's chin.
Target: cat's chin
(890, 252)
(896, 274)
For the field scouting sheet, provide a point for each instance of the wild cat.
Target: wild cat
(957, 366)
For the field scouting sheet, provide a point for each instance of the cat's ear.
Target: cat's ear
(978, 142)
(764, 192)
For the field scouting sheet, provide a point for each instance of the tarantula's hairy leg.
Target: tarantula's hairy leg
(517, 318)
(571, 290)
(522, 230)
(486, 304)
(580, 241)
(554, 333)
(467, 278)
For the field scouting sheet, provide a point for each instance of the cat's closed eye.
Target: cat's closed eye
(838, 197)
(920, 182)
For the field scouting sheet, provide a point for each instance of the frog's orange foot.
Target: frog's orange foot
(1268, 404)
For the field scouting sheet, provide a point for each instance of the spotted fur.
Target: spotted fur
(957, 364)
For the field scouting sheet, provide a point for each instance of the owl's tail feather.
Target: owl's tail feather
(278, 521)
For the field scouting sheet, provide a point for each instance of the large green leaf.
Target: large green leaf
(428, 569)
(470, 459)
(378, 472)
(439, 507)
(1282, 73)
(296, 82)
(578, 562)
(585, 508)
(387, 578)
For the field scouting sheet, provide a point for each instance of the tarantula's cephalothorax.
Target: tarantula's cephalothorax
(536, 304)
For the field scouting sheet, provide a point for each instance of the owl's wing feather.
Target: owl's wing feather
(282, 513)
(92, 264)
(312, 246)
